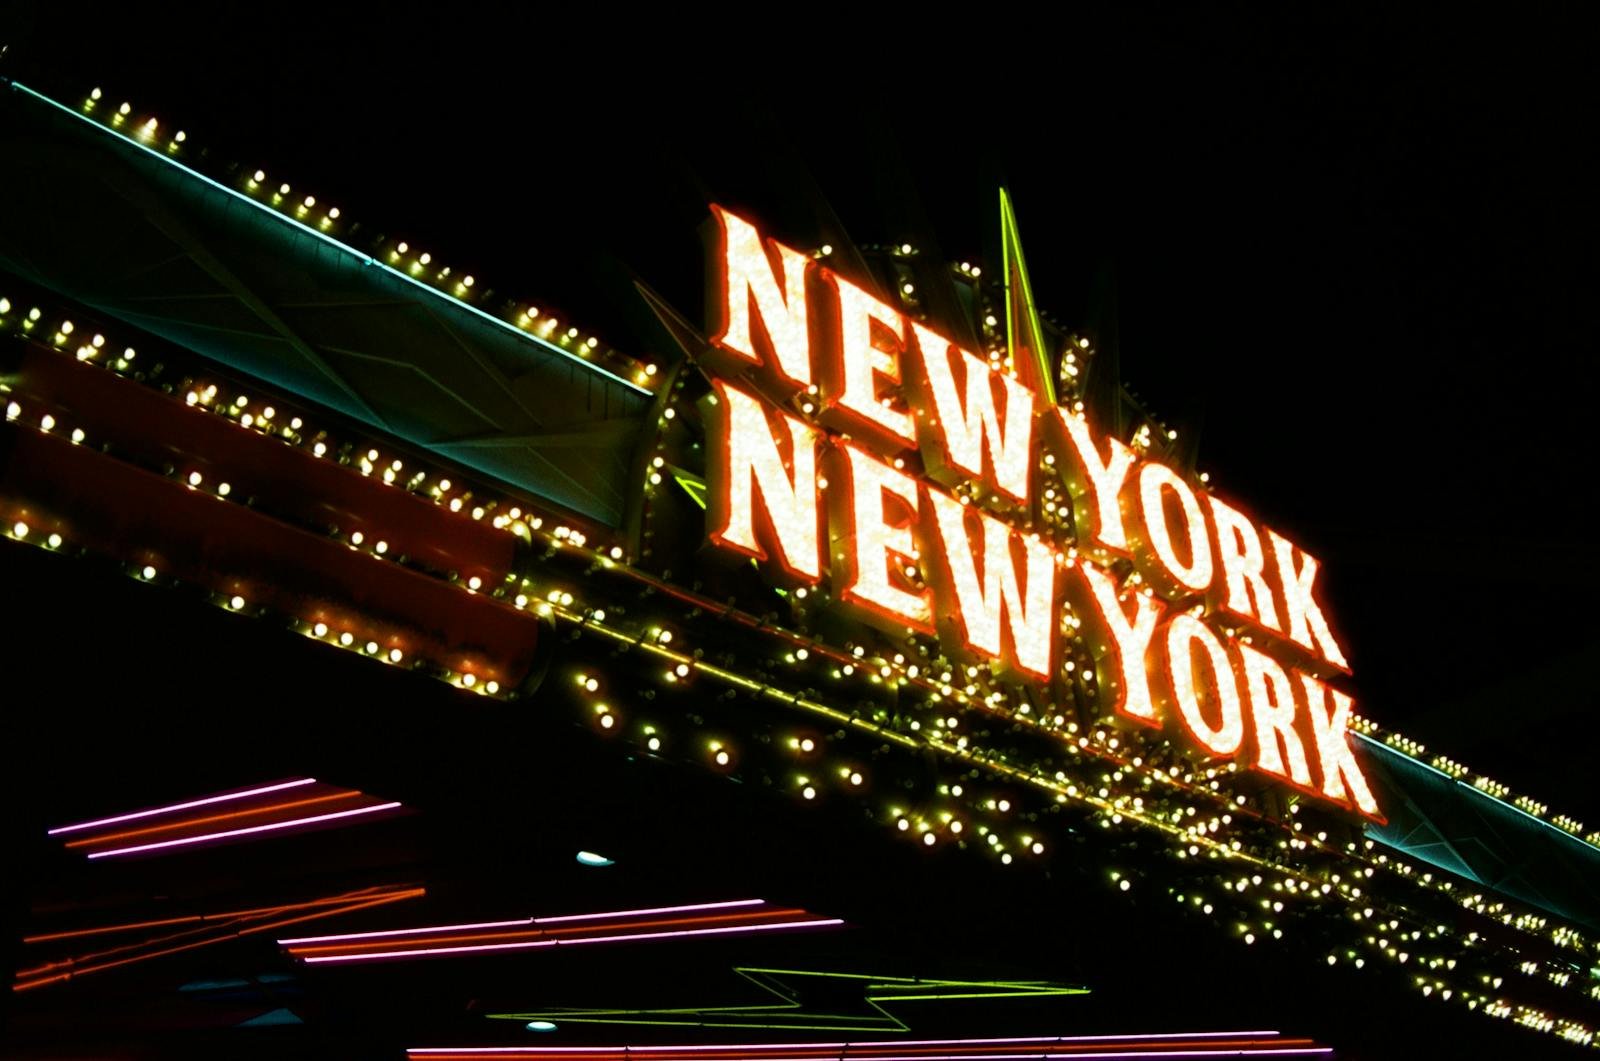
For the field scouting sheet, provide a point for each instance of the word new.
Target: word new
(825, 400)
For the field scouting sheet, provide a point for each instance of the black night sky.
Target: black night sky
(1354, 255)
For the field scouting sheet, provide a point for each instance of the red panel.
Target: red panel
(156, 429)
(111, 507)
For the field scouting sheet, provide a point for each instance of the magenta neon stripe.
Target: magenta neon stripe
(650, 910)
(1222, 1051)
(246, 832)
(864, 1045)
(519, 922)
(225, 797)
(1231, 1051)
(1130, 1037)
(645, 1052)
(530, 944)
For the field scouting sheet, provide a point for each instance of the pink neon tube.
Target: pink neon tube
(224, 798)
(519, 922)
(1041, 1040)
(531, 944)
(245, 832)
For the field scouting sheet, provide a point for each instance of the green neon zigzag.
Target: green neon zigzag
(1019, 303)
(789, 1013)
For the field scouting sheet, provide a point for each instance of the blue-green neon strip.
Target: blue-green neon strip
(1391, 749)
(366, 259)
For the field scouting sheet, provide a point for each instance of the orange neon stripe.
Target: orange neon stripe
(379, 901)
(163, 922)
(222, 923)
(89, 841)
(409, 942)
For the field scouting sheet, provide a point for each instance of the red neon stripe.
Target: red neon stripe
(222, 798)
(130, 926)
(543, 933)
(90, 841)
(86, 969)
(623, 938)
(245, 832)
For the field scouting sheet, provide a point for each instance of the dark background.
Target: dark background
(1355, 254)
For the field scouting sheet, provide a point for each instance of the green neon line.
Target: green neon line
(788, 1012)
(366, 259)
(693, 487)
(1011, 249)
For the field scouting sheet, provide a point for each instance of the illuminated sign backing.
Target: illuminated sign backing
(855, 447)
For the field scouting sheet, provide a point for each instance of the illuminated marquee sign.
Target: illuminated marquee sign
(854, 446)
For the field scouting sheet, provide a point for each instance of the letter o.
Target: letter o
(1183, 634)
(1153, 479)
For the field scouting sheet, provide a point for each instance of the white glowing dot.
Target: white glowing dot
(236, 603)
(469, 680)
(855, 778)
(194, 478)
(807, 744)
(20, 529)
(47, 422)
(346, 639)
(809, 792)
(372, 648)
(607, 721)
(148, 572)
(13, 410)
(382, 547)
(259, 176)
(654, 744)
(491, 687)
(224, 489)
(929, 840)
(722, 758)
(357, 538)
(474, 582)
(394, 655)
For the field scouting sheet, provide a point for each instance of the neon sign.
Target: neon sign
(854, 446)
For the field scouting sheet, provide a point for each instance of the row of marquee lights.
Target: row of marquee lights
(329, 223)
(560, 604)
(147, 131)
(877, 387)
(304, 210)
